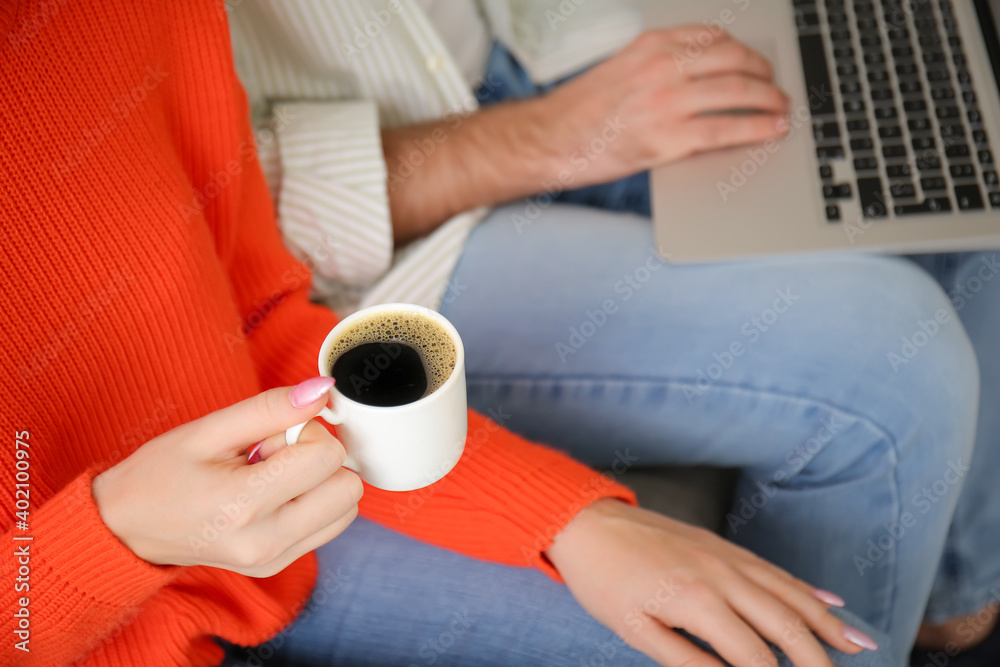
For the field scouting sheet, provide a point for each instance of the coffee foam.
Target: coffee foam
(431, 341)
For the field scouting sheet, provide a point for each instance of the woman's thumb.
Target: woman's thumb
(233, 429)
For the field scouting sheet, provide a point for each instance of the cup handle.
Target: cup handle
(330, 417)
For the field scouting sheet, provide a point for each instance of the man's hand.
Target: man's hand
(644, 107)
(642, 575)
(658, 91)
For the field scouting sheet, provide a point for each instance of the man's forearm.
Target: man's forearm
(441, 168)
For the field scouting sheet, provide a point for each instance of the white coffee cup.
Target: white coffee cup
(402, 447)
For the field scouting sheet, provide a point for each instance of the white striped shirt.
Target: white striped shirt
(326, 75)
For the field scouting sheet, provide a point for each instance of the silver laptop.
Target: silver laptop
(895, 132)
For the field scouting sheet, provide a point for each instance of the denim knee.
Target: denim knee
(921, 369)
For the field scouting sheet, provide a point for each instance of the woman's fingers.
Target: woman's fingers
(731, 637)
(669, 648)
(317, 508)
(798, 596)
(731, 91)
(304, 546)
(776, 622)
(292, 471)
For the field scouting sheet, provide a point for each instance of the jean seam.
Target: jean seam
(883, 432)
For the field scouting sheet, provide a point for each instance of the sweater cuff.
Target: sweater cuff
(80, 559)
(505, 501)
(333, 205)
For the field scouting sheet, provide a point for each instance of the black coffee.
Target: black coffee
(392, 357)
(381, 374)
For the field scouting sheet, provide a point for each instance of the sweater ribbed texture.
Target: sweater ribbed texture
(144, 284)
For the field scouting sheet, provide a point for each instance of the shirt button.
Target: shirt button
(434, 63)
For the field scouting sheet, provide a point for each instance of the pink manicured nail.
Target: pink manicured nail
(826, 596)
(310, 391)
(254, 454)
(855, 636)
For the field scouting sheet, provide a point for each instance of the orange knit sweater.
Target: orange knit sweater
(144, 284)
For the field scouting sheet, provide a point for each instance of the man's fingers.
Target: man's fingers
(706, 133)
(727, 57)
(728, 92)
(776, 623)
(669, 648)
(693, 36)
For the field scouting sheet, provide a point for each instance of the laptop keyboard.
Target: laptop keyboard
(895, 115)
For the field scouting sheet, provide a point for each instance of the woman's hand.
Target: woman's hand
(189, 496)
(642, 574)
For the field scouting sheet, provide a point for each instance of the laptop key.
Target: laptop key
(832, 213)
(944, 113)
(830, 152)
(806, 20)
(898, 171)
(952, 131)
(914, 105)
(826, 172)
(862, 145)
(957, 150)
(919, 125)
(990, 178)
(872, 198)
(854, 106)
(842, 191)
(979, 136)
(886, 113)
(969, 197)
(882, 94)
(932, 205)
(928, 163)
(817, 73)
(859, 125)
(902, 190)
(893, 151)
(890, 132)
(852, 87)
(911, 87)
(962, 171)
(985, 157)
(865, 164)
(933, 183)
(995, 199)
(924, 144)
(822, 131)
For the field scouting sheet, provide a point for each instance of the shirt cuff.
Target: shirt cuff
(332, 203)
